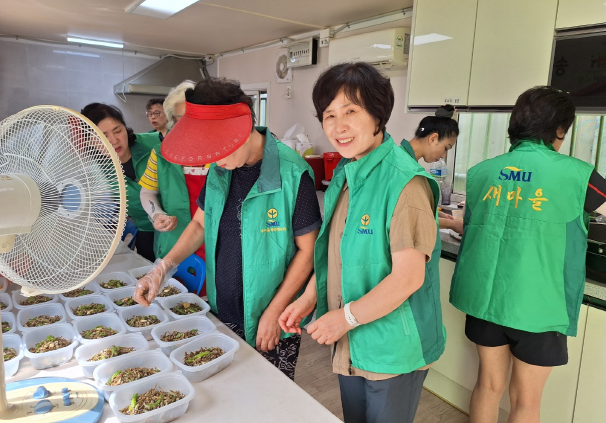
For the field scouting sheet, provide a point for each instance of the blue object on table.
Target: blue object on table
(191, 272)
(130, 228)
(41, 393)
(43, 407)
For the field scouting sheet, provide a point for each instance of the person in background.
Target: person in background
(156, 116)
(520, 273)
(434, 137)
(258, 216)
(168, 191)
(376, 284)
(133, 150)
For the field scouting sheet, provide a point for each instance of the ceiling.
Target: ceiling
(207, 27)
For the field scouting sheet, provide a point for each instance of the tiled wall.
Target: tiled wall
(36, 74)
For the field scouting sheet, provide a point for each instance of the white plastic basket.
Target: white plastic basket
(86, 351)
(74, 303)
(202, 323)
(150, 359)
(6, 299)
(53, 309)
(118, 294)
(12, 340)
(121, 398)
(17, 298)
(52, 358)
(126, 313)
(176, 284)
(10, 318)
(90, 286)
(169, 302)
(199, 373)
(122, 276)
(140, 271)
(108, 320)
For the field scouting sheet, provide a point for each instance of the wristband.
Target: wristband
(351, 320)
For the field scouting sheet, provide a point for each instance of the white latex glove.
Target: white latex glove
(164, 223)
(149, 285)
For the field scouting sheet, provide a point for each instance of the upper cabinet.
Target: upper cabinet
(512, 50)
(442, 50)
(479, 53)
(579, 13)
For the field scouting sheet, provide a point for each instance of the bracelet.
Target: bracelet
(351, 320)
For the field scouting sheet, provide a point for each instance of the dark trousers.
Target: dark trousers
(145, 245)
(392, 400)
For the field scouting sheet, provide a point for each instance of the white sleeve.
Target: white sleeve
(150, 203)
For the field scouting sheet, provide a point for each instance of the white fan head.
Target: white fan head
(82, 199)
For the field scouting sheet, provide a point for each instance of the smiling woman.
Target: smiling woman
(132, 150)
(375, 278)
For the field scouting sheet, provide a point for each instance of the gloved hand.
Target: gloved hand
(164, 223)
(149, 285)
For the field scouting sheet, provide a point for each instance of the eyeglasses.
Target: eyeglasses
(156, 114)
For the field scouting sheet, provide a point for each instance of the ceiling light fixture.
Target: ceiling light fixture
(161, 9)
(94, 42)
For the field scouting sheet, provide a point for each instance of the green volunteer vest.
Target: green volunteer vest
(267, 235)
(175, 202)
(522, 257)
(140, 152)
(411, 336)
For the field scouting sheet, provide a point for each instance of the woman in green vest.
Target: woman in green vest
(434, 137)
(133, 151)
(376, 284)
(258, 216)
(520, 274)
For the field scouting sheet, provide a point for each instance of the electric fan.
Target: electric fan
(62, 212)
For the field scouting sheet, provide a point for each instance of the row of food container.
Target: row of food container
(173, 353)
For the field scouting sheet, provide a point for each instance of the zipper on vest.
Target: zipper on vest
(404, 320)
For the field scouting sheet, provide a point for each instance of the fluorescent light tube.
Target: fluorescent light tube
(94, 42)
(430, 38)
(161, 9)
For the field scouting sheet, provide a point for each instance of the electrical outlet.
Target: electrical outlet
(288, 92)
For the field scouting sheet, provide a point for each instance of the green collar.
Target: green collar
(269, 179)
(405, 144)
(138, 153)
(357, 171)
(533, 141)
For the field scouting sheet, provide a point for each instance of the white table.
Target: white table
(249, 390)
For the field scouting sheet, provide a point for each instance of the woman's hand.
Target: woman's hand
(291, 317)
(268, 331)
(164, 223)
(443, 215)
(329, 328)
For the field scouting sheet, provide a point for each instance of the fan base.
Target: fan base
(85, 402)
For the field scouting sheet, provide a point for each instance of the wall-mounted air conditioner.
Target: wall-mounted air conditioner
(387, 48)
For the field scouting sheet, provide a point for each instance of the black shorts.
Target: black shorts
(546, 349)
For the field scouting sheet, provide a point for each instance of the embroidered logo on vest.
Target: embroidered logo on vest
(364, 229)
(511, 173)
(272, 224)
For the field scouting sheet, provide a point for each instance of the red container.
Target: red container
(317, 164)
(331, 160)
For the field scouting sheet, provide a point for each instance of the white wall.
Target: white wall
(259, 67)
(34, 74)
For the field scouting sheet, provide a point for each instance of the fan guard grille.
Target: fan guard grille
(83, 198)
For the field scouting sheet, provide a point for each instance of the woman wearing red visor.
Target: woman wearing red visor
(258, 217)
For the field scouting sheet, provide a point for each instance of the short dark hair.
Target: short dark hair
(96, 112)
(219, 92)
(538, 113)
(362, 84)
(153, 101)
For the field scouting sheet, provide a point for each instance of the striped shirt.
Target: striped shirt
(149, 180)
